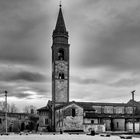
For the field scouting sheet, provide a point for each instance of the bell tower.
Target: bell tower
(60, 62)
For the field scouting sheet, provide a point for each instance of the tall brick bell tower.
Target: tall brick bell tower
(60, 65)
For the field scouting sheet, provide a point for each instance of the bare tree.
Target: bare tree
(26, 109)
(13, 108)
(3, 106)
(29, 109)
(10, 108)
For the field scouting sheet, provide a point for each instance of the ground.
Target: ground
(59, 137)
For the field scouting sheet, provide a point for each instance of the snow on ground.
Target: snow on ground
(59, 137)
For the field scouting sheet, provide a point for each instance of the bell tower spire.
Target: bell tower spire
(60, 28)
(60, 61)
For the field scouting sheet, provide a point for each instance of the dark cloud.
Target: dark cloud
(85, 81)
(127, 82)
(28, 76)
(22, 76)
(113, 40)
(119, 50)
(24, 30)
(24, 89)
(20, 95)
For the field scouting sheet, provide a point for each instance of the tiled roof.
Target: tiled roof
(88, 104)
(130, 102)
(103, 115)
(81, 104)
(45, 108)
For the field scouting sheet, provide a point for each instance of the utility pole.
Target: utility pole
(6, 111)
(133, 119)
(53, 116)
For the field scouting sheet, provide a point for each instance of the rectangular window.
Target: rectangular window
(97, 109)
(117, 125)
(0, 121)
(92, 121)
(108, 109)
(119, 110)
(73, 112)
(46, 121)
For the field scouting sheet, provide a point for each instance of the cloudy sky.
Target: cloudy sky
(104, 37)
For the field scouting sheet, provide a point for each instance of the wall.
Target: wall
(98, 109)
(61, 90)
(65, 121)
(88, 121)
(95, 127)
(129, 110)
(129, 126)
(107, 123)
(119, 110)
(14, 120)
(108, 109)
(44, 115)
(119, 124)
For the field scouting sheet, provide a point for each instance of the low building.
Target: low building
(14, 121)
(79, 116)
(86, 116)
(45, 121)
(17, 121)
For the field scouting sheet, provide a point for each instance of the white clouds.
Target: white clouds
(107, 30)
(102, 84)
(104, 45)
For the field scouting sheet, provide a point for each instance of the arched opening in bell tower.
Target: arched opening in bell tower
(61, 54)
(61, 75)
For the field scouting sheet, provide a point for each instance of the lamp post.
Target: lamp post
(53, 116)
(133, 119)
(5, 108)
(5, 111)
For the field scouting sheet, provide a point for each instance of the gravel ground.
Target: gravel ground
(59, 137)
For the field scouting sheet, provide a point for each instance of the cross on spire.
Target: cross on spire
(60, 5)
(60, 27)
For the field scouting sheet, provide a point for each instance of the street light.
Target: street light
(133, 119)
(5, 110)
(5, 106)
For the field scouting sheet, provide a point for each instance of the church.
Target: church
(62, 114)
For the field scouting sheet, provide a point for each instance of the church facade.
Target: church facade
(62, 114)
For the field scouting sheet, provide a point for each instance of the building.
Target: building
(14, 121)
(61, 114)
(60, 65)
(86, 116)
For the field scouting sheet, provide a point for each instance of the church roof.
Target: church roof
(84, 106)
(131, 102)
(45, 108)
(60, 27)
(89, 106)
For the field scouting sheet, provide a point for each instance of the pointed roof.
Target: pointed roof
(130, 102)
(60, 27)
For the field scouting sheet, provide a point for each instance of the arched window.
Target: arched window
(61, 75)
(61, 54)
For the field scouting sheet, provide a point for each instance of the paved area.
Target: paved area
(59, 137)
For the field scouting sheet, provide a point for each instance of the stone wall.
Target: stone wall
(119, 124)
(129, 126)
(65, 120)
(88, 121)
(95, 127)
